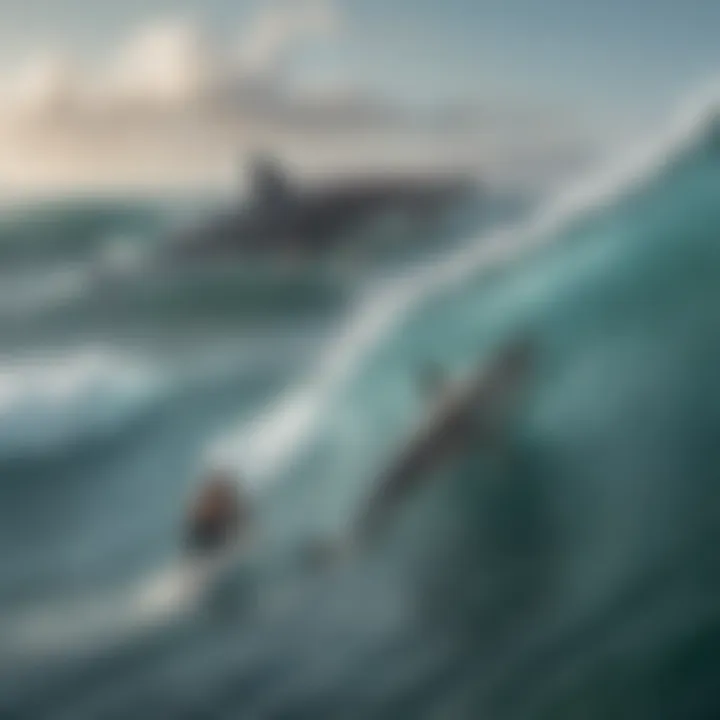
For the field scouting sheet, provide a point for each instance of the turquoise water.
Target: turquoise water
(570, 573)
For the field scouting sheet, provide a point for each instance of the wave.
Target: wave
(37, 233)
(31, 292)
(81, 626)
(75, 304)
(262, 449)
(49, 404)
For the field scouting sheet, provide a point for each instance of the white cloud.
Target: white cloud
(167, 61)
(272, 35)
(45, 82)
(173, 62)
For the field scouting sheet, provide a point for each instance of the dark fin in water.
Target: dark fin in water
(270, 186)
(478, 412)
(504, 384)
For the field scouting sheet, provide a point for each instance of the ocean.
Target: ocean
(567, 573)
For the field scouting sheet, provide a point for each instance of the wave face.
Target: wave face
(572, 574)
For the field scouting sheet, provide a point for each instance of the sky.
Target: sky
(105, 92)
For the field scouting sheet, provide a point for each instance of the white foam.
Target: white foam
(117, 615)
(52, 401)
(81, 626)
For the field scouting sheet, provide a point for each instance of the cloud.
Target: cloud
(171, 105)
(43, 83)
(173, 62)
(166, 62)
(273, 35)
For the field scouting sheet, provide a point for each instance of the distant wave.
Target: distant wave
(55, 402)
(35, 233)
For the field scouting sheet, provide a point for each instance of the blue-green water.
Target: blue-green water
(570, 575)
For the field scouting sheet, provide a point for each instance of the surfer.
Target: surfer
(219, 515)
